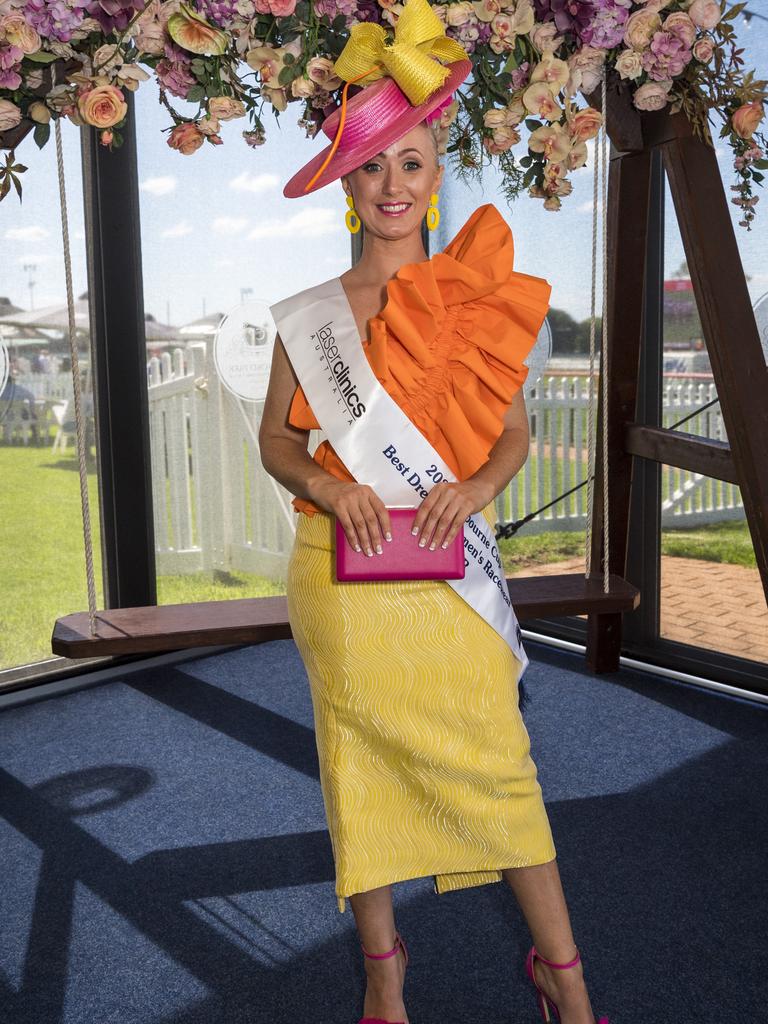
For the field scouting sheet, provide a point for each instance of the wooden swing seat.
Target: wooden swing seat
(253, 620)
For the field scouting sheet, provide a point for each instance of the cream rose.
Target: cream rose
(746, 119)
(302, 87)
(545, 38)
(459, 13)
(704, 13)
(704, 49)
(320, 70)
(10, 115)
(225, 108)
(495, 118)
(186, 138)
(629, 64)
(103, 106)
(585, 124)
(20, 33)
(653, 95)
(39, 113)
(208, 125)
(586, 66)
(639, 29)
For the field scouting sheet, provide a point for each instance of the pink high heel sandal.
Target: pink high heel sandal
(399, 944)
(544, 1001)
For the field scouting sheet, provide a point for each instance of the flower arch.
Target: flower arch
(532, 59)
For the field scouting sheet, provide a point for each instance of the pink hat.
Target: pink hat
(375, 117)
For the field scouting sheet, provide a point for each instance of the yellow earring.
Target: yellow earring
(351, 217)
(433, 214)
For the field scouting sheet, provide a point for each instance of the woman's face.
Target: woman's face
(403, 175)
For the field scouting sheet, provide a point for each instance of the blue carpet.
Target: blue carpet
(165, 857)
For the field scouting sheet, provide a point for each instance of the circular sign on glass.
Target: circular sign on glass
(538, 357)
(5, 366)
(242, 350)
(760, 310)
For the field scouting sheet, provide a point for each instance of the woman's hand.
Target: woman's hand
(444, 510)
(361, 512)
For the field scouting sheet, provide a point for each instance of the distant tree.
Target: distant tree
(569, 336)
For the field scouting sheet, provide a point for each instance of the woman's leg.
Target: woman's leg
(540, 894)
(375, 922)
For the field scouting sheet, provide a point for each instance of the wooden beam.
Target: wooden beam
(685, 451)
(629, 187)
(252, 620)
(727, 319)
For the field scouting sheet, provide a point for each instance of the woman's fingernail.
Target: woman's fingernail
(432, 546)
(444, 544)
(369, 552)
(414, 531)
(422, 542)
(357, 547)
(378, 549)
(389, 536)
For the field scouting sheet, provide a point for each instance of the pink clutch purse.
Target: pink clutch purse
(401, 558)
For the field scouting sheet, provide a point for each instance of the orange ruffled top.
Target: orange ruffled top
(449, 346)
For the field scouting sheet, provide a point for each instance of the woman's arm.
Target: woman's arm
(509, 453)
(283, 447)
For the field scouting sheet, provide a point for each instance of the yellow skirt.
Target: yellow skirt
(425, 764)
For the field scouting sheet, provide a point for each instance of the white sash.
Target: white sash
(377, 442)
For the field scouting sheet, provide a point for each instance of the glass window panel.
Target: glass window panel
(41, 533)
(711, 592)
(558, 403)
(220, 240)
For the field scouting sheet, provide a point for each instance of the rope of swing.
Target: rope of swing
(76, 385)
(509, 529)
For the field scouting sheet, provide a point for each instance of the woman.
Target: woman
(424, 757)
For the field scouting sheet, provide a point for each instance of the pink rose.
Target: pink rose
(225, 108)
(681, 25)
(103, 106)
(653, 95)
(186, 138)
(20, 33)
(10, 115)
(585, 124)
(282, 8)
(746, 119)
(703, 49)
(704, 13)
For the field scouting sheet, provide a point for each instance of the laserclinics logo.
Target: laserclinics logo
(338, 370)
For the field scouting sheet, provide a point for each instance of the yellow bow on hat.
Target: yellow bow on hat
(410, 59)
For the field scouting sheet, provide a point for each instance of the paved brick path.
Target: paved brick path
(713, 605)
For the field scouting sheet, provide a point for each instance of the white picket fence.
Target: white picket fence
(215, 508)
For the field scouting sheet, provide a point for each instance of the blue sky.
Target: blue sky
(216, 222)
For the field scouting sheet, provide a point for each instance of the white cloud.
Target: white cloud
(246, 182)
(224, 261)
(34, 233)
(160, 186)
(586, 207)
(36, 258)
(309, 223)
(229, 225)
(178, 230)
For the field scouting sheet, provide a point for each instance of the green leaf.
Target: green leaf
(195, 93)
(757, 176)
(525, 161)
(288, 58)
(762, 164)
(41, 134)
(42, 57)
(532, 124)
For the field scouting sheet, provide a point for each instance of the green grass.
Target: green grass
(41, 540)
